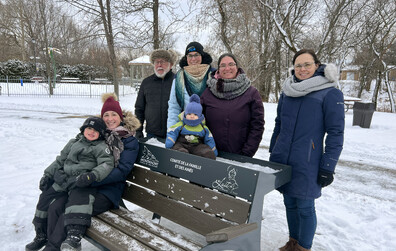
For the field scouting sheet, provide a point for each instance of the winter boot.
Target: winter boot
(290, 245)
(299, 248)
(73, 239)
(39, 241)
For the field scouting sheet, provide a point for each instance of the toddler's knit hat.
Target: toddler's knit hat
(96, 123)
(194, 106)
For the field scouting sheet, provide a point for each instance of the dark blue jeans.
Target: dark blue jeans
(301, 219)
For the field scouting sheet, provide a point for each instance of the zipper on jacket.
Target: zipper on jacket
(311, 148)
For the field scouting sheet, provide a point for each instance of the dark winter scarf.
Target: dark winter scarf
(229, 88)
(191, 122)
(323, 78)
(193, 79)
(113, 140)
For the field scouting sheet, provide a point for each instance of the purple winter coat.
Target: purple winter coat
(237, 125)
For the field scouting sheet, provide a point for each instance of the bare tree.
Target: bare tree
(101, 13)
(381, 35)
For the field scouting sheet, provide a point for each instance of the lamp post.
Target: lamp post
(34, 54)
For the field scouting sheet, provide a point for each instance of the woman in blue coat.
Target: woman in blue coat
(308, 136)
(121, 127)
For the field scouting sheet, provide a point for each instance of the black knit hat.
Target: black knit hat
(96, 123)
(194, 47)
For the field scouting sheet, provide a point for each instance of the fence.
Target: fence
(64, 87)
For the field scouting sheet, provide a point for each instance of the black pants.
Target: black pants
(56, 214)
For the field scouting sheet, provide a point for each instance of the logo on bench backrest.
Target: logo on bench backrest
(148, 158)
(227, 184)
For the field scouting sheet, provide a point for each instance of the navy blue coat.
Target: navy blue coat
(113, 185)
(297, 140)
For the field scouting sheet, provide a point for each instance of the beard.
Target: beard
(166, 70)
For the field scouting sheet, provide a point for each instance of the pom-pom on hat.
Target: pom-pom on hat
(194, 47)
(96, 123)
(168, 55)
(194, 106)
(110, 103)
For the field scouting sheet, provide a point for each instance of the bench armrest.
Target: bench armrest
(228, 233)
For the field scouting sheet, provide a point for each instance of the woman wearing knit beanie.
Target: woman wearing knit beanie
(121, 126)
(190, 79)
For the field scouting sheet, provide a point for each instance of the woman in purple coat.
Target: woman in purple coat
(233, 109)
(309, 108)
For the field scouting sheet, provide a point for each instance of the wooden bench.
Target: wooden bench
(220, 202)
(349, 102)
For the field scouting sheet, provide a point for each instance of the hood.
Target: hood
(131, 123)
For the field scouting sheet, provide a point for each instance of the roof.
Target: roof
(141, 60)
(351, 68)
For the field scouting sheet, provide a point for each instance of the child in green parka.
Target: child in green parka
(85, 159)
(190, 135)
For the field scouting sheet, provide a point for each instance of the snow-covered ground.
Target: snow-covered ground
(357, 212)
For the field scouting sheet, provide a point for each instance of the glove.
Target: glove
(139, 135)
(85, 179)
(325, 178)
(60, 177)
(45, 182)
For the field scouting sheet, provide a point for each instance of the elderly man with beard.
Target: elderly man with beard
(152, 100)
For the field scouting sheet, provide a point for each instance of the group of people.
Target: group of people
(199, 110)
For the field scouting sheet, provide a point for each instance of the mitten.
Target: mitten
(325, 178)
(45, 182)
(139, 135)
(85, 179)
(60, 177)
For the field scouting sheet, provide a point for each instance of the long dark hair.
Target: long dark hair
(309, 51)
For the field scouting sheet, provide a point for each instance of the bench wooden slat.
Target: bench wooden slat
(196, 196)
(179, 213)
(230, 232)
(137, 232)
(111, 238)
(157, 229)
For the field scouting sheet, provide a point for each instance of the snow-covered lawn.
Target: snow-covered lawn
(357, 212)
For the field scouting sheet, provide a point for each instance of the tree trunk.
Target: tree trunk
(106, 20)
(376, 89)
(155, 25)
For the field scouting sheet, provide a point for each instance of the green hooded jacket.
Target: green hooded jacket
(81, 155)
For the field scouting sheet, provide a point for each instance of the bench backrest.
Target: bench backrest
(199, 193)
(192, 206)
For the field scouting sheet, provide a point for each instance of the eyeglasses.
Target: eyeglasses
(193, 55)
(305, 65)
(160, 62)
(229, 65)
(191, 49)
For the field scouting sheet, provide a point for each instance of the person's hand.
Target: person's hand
(139, 135)
(325, 178)
(85, 179)
(60, 177)
(45, 182)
